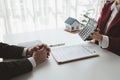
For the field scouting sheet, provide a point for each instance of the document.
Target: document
(72, 53)
(30, 43)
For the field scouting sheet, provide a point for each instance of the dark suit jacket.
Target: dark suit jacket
(114, 29)
(13, 68)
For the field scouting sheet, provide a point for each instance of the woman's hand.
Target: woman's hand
(96, 35)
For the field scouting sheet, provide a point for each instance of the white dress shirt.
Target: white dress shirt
(115, 9)
(31, 59)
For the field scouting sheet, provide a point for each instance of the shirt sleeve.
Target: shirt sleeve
(32, 61)
(24, 52)
(105, 42)
(1, 59)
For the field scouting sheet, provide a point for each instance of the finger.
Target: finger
(98, 29)
(48, 53)
(95, 30)
(42, 53)
(93, 33)
(35, 48)
(40, 46)
(42, 49)
(90, 36)
(46, 47)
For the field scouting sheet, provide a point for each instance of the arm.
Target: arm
(15, 68)
(9, 70)
(114, 45)
(10, 51)
(111, 43)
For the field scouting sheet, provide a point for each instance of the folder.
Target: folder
(72, 53)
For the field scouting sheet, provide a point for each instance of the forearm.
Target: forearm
(111, 43)
(32, 61)
(114, 44)
(30, 58)
(105, 42)
(10, 51)
(15, 68)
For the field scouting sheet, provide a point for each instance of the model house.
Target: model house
(72, 24)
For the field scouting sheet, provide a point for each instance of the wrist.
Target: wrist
(32, 60)
(101, 38)
(28, 52)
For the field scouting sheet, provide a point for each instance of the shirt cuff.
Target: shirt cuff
(32, 61)
(24, 52)
(105, 42)
(1, 59)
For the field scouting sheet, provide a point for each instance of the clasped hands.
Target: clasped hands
(39, 53)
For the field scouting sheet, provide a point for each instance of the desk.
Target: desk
(104, 67)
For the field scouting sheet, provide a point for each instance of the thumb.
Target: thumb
(98, 29)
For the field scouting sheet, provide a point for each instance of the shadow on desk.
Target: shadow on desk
(28, 75)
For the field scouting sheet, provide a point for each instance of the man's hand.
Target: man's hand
(41, 55)
(30, 51)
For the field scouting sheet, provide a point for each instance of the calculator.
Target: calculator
(88, 29)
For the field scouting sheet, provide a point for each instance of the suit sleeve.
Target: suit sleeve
(10, 51)
(9, 70)
(114, 45)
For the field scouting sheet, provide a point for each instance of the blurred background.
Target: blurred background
(18, 16)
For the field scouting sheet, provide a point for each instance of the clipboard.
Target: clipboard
(72, 53)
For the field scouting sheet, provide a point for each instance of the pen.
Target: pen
(60, 44)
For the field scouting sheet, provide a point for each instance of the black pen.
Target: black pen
(54, 45)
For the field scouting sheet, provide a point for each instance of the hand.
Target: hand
(96, 35)
(40, 55)
(30, 51)
(89, 38)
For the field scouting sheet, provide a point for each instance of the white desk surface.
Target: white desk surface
(104, 67)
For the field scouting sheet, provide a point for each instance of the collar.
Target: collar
(113, 6)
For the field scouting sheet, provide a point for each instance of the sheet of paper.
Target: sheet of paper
(69, 53)
(30, 43)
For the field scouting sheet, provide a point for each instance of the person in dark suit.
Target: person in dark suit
(10, 69)
(108, 31)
